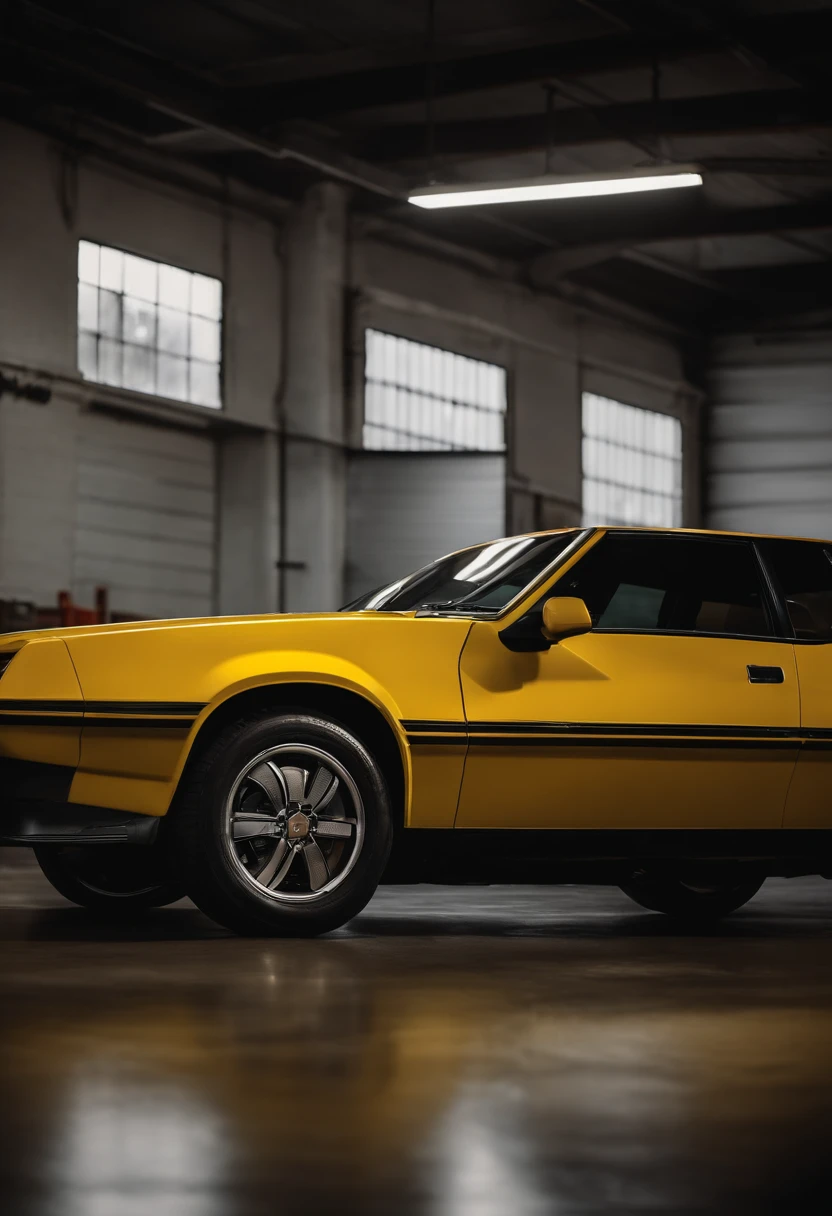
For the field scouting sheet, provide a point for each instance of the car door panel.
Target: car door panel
(615, 730)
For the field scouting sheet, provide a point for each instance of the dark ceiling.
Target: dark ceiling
(383, 95)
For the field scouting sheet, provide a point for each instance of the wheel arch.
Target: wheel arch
(356, 712)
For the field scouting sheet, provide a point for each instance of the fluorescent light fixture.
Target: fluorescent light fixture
(538, 189)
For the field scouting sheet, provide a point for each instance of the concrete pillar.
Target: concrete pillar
(38, 457)
(248, 524)
(313, 407)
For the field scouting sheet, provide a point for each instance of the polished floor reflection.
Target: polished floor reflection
(474, 1052)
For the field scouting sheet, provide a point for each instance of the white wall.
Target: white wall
(769, 454)
(46, 206)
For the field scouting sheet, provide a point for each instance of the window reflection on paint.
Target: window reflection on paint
(123, 1142)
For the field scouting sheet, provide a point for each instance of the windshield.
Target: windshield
(484, 578)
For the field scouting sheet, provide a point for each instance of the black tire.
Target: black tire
(221, 872)
(110, 878)
(688, 901)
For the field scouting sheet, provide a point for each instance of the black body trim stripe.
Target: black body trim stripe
(111, 714)
(615, 734)
(40, 719)
(638, 729)
(455, 740)
(419, 726)
(644, 741)
(127, 723)
(184, 708)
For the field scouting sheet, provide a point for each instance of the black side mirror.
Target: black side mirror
(526, 635)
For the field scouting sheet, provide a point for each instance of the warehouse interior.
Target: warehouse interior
(241, 373)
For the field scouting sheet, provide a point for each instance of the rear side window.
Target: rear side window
(670, 584)
(803, 570)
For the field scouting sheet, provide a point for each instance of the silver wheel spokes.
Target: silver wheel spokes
(283, 804)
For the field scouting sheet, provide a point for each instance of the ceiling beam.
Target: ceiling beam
(402, 79)
(70, 51)
(727, 114)
(371, 78)
(640, 231)
(769, 166)
(754, 43)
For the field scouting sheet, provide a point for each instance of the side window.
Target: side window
(803, 570)
(675, 584)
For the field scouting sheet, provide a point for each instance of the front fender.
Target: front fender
(269, 669)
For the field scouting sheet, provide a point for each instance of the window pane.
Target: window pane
(421, 398)
(139, 322)
(175, 287)
(206, 299)
(140, 278)
(633, 458)
(675, 585)
(173, 331)
(109, 314)
(172, 377)
(205, 383)
(87, 307)
(803, 571)
(112, 269)
(88, 356)
(88, 262)
(205, 339)
(150, 327)
(139, 369)
(109, 361)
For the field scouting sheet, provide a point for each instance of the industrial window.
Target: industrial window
(632, 465)
(420, 398)
(147, 326)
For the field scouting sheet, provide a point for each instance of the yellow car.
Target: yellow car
(642, 707)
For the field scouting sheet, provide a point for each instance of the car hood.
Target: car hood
(11, 641)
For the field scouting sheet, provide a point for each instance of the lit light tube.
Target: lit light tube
(542, 189)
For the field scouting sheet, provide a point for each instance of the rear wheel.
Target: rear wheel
(284, 826)
(117, 878)
(691, 900)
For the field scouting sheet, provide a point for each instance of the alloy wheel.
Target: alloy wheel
(294, 823)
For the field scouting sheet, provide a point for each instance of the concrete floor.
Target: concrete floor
(475, 1052)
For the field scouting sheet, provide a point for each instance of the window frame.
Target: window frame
(138, 393)
(781, 627)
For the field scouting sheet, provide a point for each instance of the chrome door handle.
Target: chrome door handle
(765, 675)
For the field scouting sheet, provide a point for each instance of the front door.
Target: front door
(679, 710)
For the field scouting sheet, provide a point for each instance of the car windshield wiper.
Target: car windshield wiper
(455, 606)
(442, 605)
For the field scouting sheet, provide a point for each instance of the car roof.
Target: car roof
(677, 531)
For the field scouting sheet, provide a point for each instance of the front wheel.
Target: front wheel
(689, 900)
(284, 826)
(110, 878)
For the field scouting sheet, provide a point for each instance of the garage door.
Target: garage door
(407, 509)
(146, 499)
(770, 431)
